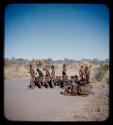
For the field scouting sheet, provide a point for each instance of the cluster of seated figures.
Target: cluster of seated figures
(71, 86)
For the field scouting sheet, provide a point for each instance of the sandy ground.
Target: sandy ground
(49, 105)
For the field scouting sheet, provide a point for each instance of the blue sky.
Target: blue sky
(58, 31)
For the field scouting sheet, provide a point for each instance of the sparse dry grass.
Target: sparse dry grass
(99, 72)
(90, 108)
(14, 72)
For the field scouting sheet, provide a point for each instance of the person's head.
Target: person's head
(86, 67)
(64, 65)
(45, 68)
(38, 69)
(81, 67)
(76, 76)
(52, 67)
(71, 77)
(30, 66)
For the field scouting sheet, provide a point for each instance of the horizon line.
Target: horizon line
(34, 58)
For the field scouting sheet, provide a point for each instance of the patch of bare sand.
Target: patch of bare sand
(49, 105)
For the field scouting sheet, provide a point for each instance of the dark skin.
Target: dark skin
(39, 72)
(64, 70)
(32, 72)
(47, 73)
(53, 72)
(76, 78)
(47, 76)
(87, 73)
(40, 77)
(81, 72)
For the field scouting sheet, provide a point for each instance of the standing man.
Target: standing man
(47, 76)
(64, 76)
(87, 73)
(52, 75)
(64, 70)
(32, 80)
(82, 73)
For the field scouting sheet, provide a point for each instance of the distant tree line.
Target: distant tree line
(39, 62)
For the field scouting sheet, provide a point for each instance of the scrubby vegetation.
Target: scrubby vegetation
(92, 108)
(102, 72)
(19, 67)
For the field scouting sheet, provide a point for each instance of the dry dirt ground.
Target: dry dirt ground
(49, 105)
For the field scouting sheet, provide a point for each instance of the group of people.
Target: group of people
(50, 80)
(41, 79)
(77, 85)
(84, 73)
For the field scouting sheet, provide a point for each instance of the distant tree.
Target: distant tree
(39, 63)
(12, 58)
(66, 59)
(107, 60)
(95, 60)
(48, 61)
(83, 59)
